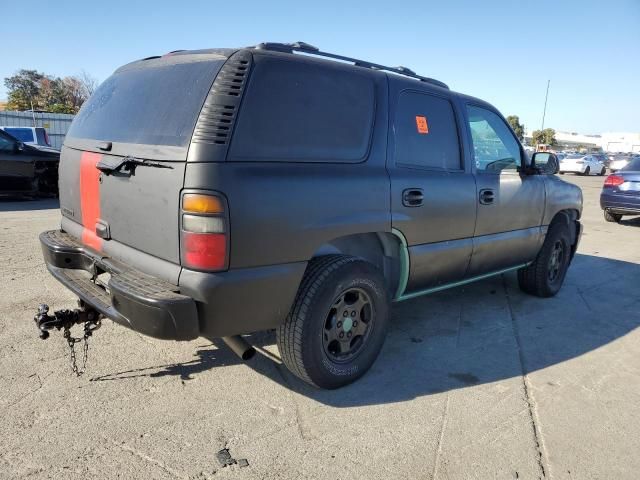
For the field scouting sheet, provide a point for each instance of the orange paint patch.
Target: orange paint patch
(90, 198)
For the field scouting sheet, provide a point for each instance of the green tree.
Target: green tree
(546, 136)
(32, 89)
(23, 88)
(516, 126)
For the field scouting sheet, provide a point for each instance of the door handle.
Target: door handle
(487, 196)
(412, 197)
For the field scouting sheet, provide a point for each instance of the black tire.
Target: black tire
(538, 278)
(303, 339)
(561, 173)
(603, 171)
(587, 171)
(612, 217)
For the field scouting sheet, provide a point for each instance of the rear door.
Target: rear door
(432, 191)
(510, 205)
(147, 111)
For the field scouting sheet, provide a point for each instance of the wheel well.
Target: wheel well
(382, 249)
(570, 217)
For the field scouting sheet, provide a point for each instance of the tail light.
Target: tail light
(204, 233)
(580, 162)
(613, 181)
(46, 138)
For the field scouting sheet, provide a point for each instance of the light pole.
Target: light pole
(544, 112)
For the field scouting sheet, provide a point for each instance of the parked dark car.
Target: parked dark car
(222, 192)
(26, 169)
(621, 192)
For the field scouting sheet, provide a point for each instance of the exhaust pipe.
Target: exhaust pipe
(240, 346)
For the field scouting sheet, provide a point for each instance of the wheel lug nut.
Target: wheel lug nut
(353, 313)
(339, 324)
(349, 334)
(355, 323)
(345, 314)
(341, 334)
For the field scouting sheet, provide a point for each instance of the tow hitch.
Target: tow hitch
(64, 320)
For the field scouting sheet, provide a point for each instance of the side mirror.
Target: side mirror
(545, 162)
(18, 147)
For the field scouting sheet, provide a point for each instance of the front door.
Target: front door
(433, 193)
(510, 204)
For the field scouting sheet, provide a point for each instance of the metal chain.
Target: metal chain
(71, 341)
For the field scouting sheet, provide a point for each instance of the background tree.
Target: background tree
(32, 89)
(518, 128)
(23, 88)
(546, 136)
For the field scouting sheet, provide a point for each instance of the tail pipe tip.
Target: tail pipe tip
(240, 347)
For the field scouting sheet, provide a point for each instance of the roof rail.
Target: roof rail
(310, 49)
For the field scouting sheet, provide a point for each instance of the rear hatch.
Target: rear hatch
(145, 112)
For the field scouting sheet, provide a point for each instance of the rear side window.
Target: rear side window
(42, 137)
(303, 112)
(426, 132)
(156, 103)
(22, 134)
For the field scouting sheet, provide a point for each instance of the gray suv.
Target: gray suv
(222, 192)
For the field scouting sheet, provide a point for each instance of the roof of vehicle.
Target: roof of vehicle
(286, 48)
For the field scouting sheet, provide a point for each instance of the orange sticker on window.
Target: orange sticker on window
(421, 123)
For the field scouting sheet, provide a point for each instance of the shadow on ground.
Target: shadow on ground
(481, 333)
(22, 204)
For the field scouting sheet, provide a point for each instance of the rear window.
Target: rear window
(22, 134)
(304, 112)
(632, 166)
(156, 102)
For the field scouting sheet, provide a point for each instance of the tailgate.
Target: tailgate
(138, 210)
(145, 112)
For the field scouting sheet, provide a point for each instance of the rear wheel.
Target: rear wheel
(544, 277)
(338, 322)
(587, 171)
(612, 217)
(603, 171)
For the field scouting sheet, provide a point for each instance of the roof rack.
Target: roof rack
(310, 49)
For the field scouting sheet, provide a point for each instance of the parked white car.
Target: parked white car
(618, 162)
(582, 164)
(34, 136)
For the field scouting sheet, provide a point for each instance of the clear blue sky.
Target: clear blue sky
(502, 51)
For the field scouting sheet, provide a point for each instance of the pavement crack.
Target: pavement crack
(147, 458)
(443, 426)
(541, 456)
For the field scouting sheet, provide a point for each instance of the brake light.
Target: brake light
(204, 236)
(613, 181)
(46, 138)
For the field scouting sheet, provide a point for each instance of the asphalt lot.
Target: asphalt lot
(477, 382)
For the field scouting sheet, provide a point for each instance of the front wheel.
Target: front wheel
(544, 277)
(603, 171)
(587, 171)
(338, 322)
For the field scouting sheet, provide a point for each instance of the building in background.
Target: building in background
(607, 142)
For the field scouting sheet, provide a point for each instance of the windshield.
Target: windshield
(155, 102)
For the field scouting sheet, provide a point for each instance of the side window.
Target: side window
(494, 146)
(304, 112)
(6, 144)
(22, 134)
(426, 132)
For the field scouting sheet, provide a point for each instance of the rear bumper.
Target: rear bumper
(211, 305)
(621, 204)
(132, 298)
